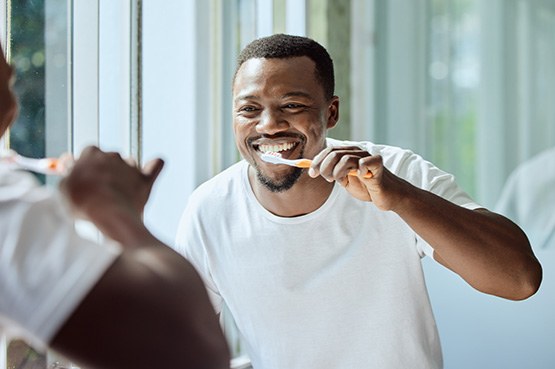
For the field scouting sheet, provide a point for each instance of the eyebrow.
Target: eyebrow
(289, 94)
(245, 97)
(297, 94)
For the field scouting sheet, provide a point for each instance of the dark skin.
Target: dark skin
(8, 104)
(150, 309)
(279, 104)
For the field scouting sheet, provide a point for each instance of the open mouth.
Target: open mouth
(284, 149)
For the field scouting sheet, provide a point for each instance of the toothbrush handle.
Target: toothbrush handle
(354, 173)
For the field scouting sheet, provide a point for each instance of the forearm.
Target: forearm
(487, 250)
(120, 223)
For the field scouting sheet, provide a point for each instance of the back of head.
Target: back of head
(283, 46)
(8, 104)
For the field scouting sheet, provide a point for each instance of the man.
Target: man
(133, 305)
(321, 269)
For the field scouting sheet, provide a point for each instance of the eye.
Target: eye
(293, 107)
(248, 109)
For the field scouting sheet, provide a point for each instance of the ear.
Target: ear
(333, 112)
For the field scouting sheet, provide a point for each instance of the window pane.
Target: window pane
(38, 51)
(453, 86)
(27, 56)
(37, 48)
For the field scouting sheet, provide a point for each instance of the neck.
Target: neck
(306, 196)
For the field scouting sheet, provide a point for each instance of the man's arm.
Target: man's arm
(150, 309)
(486, 249)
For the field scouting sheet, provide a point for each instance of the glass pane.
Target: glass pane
(324, 18)
(37, 47)
(453, 87)
(27, 56)
(38, 50)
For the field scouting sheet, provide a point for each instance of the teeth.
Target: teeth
(276, 148)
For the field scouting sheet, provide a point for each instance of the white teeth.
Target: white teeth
(276, 148)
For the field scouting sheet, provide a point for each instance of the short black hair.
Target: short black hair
(283, 46)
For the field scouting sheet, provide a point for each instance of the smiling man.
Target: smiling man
(321, 269)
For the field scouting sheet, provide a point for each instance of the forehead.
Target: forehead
(266, 75)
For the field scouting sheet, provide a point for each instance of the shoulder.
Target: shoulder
(415, 169)
(396, 159)
(16, 184)
(222, 186)
(21, 192)
(213, 198)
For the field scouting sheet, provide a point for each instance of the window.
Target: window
(489, 102)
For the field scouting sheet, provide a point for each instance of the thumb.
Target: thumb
(152, 169)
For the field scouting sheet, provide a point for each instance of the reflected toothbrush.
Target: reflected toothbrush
(50, 166)
(275, 158)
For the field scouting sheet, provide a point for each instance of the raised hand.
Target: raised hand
(382, 187)
(109, 191)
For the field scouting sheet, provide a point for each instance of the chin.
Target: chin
(281, 184)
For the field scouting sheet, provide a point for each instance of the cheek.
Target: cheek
(316, 131)
(240, 132)
(315, 138)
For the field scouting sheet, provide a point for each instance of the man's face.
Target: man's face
(8, 105)
(279, 106)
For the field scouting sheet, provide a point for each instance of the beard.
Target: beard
(282, 185)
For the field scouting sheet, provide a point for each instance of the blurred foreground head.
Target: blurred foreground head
(8, 104)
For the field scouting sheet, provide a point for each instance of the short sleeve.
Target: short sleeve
(425, 175)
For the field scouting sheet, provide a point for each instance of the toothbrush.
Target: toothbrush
(51, 166)
(276, 158)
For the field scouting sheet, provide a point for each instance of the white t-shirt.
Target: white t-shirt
(46, 269)
(341, 287)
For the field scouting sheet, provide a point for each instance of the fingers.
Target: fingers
(88, 152)
(131, 161)
(65, 163)
(112, 162)
(334, 164)
(152, 169)
(371, 166)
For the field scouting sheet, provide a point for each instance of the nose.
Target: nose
(271, 122)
